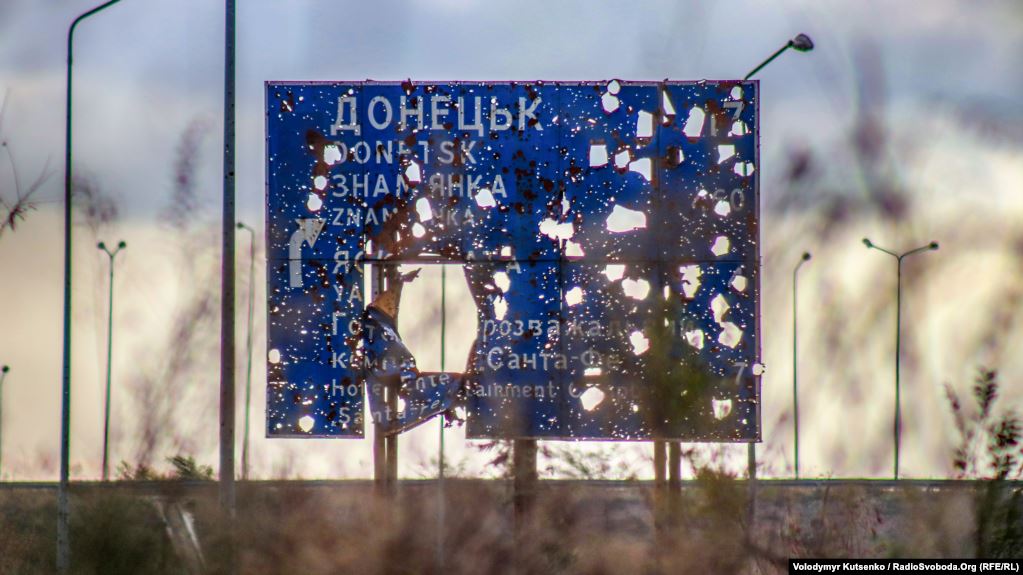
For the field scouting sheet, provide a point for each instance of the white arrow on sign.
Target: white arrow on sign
(307, 232)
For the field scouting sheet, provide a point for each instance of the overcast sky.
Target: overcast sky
(148, 70)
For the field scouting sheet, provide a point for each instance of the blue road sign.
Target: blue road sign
(608, 233)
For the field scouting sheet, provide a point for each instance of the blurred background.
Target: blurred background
(904, 125)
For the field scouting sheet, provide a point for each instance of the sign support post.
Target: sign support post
(660, 483)
(391, 278)
(751, 470)
(674, 465)
(660, 462)
(379, 440)
(524, 477)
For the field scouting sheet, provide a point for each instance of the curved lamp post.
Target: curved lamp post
(801, 43)
(110, 342)
(63, 525)
(248, 347)
(897, 426)
(3, 376)
(795, 364)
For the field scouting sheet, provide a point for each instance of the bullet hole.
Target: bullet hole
(598, 155)
(622, 159)
(739, 283)
(667, 107)
(573, 249)
(614, 272)
(314, 203)
(424, 209)
(636, 289)
(694, 123)
(614, 87)
(274, 356)
(758, 369)
(723, 208)
(736, 93)
(644, 125)
(574, 296)
(506, 252)
(625, 220)
(610, 103)
(320, 183)
(557, 231)
(401, 406)
(695, 338)
(485, 198)
(500, 308)
(730, 335)
(738, 129)
(418, 230)
(502, 281)
(639, 342)
(643, 167)
(331, 154)
(725, 151)
(592, 372)
(413, 173)
(722, 408)
(743, 168)
(690, 280)
(591, 398)
(719, 306)
(721, 246)
(305, 423)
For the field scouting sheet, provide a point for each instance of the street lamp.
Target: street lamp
(795, 363)
(801, 43)
(3, 376)
(897, 427)
(248, 347)
(110, 342)
(63, 523)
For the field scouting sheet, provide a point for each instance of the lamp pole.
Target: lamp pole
(3, 376)
(801, 43)
(248, 347)
(110, 343)
(795, 362)
(227, 371)
(63, 525)
(897, 426)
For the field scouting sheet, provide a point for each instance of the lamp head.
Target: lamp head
(806, 256)
(933, 245)
(101, 246)
(123, 244)
(802, 43)
(868, 243)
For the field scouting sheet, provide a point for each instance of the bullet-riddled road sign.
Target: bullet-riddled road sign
(608, 232)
